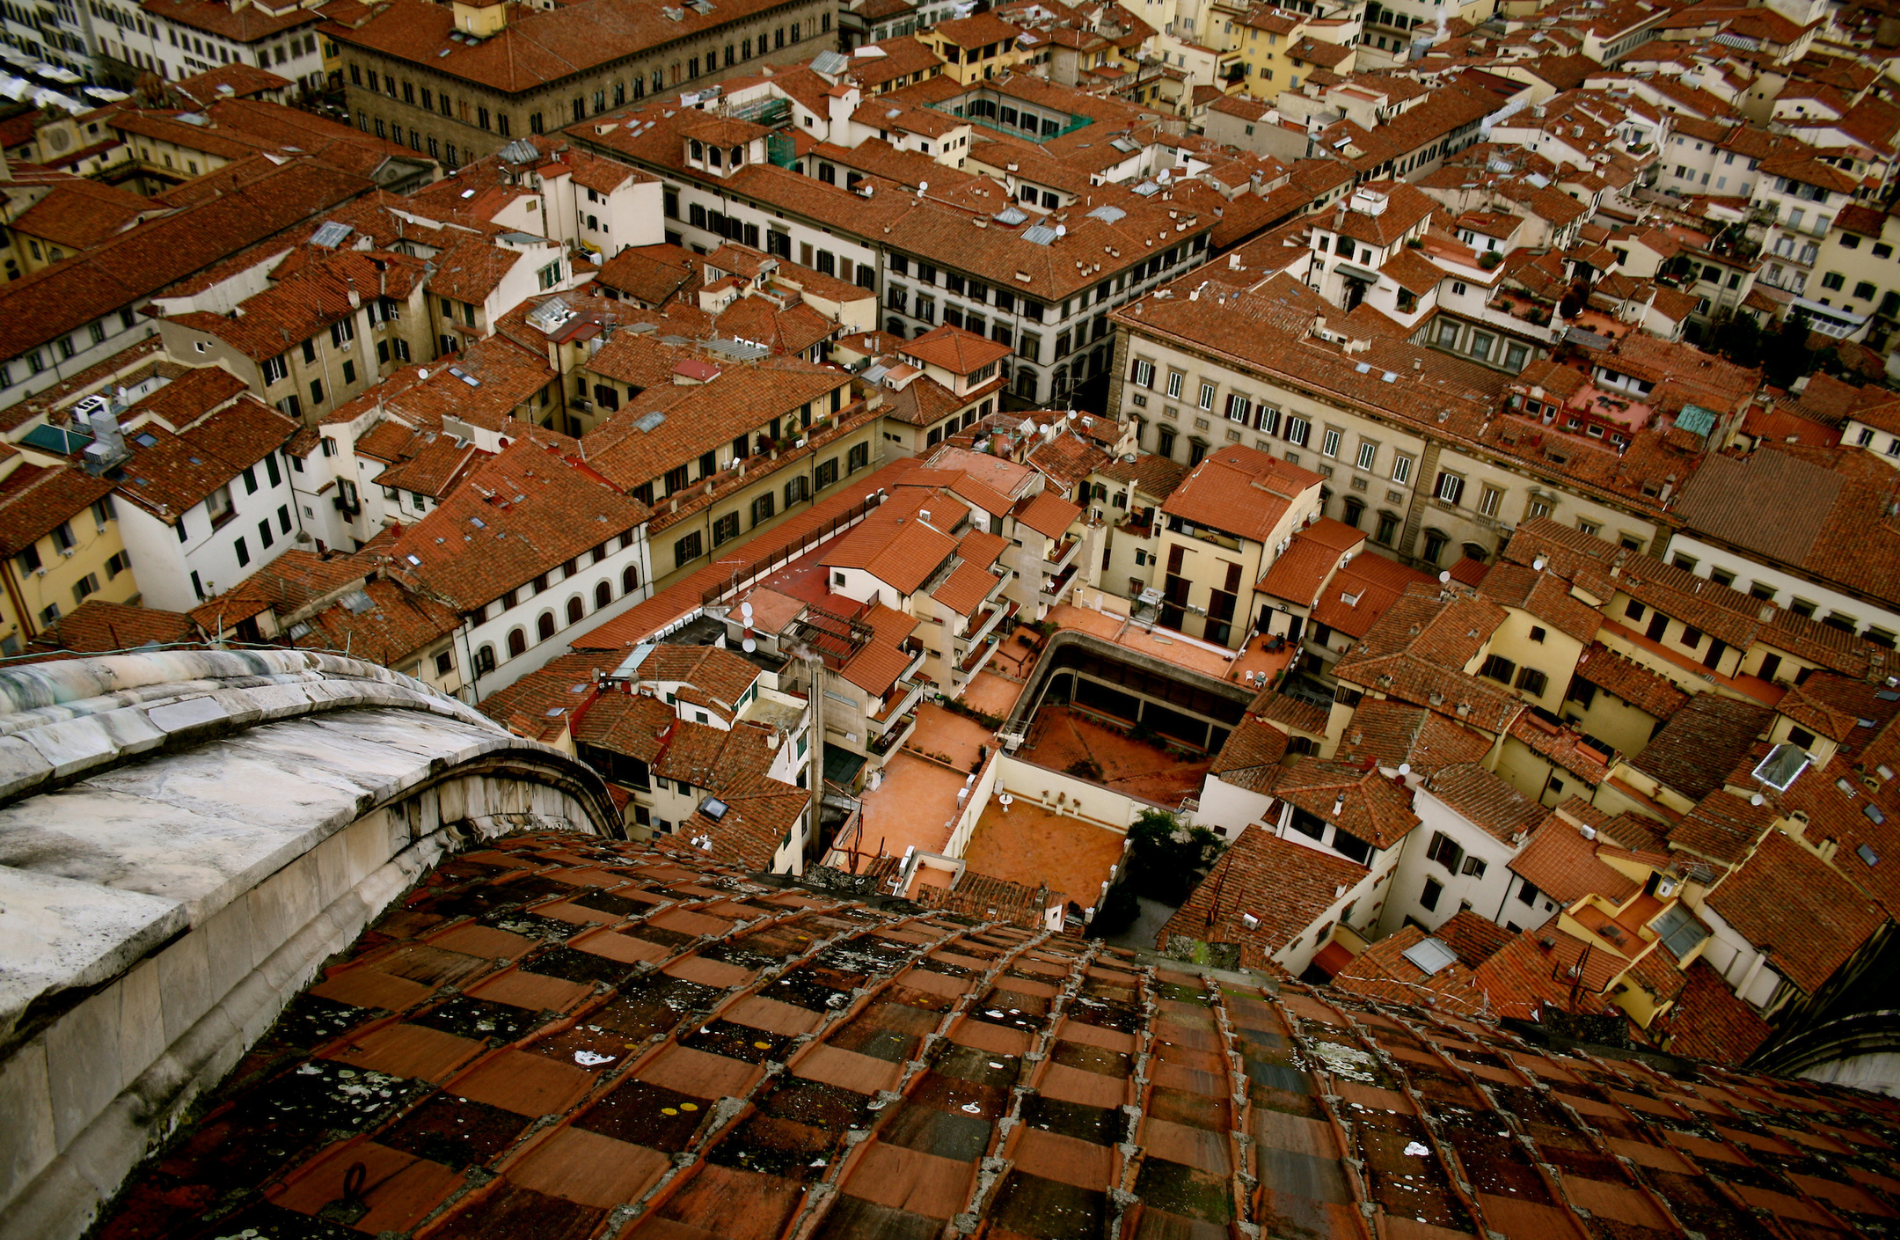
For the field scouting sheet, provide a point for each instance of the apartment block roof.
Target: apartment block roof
(177, 471)
(519, 515)
(98, 627)
(537, 47)
(1788, 900)
(1485, 800)
(141, 261)
(35, 500)
(632, 447)
(1702, 742)
(1564, 865)
(1629, 680)
(1241, 491)
(1358, 800)
(1284, 887)
(241, 23)
(1391, 734)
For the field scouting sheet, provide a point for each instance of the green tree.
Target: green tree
(1165, 862)
(1739, 340)
(1785, 355)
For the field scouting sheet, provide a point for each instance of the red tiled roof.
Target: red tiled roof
(608, 997)
(1241, 491)
(1284, 886)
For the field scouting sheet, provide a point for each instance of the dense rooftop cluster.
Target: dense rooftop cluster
(1164, 534)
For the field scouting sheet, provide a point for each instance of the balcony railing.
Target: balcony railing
(1059, 558)
(893, 739)
(903, 696)
(1053, 590)
(974, 661)
(987, 622)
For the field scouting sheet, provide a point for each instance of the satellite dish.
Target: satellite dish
(749, 645)
(1444, 576)
(1073, 415)
(1405, 768)
(1755, 800)
(1538, 563)
(745, 609)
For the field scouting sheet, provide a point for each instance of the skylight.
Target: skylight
(1430, 955)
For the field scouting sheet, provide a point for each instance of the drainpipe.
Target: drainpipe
(18, 600)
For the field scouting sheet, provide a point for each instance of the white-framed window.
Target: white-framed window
(1239, 408)
(1329, 442)
(1175, 379)
(1450, 489)
(1368, 455)
(1298, 430)
(1144, 374)
(1536, 508)
(1402, 469)
(1489, 500)
(1207, 396)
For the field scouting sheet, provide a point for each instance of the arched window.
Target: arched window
(894, 326)
(603, 595)
(517, 643)
(1476, 551)
(1026, 383)
(699, 149)
(544, 627)
(630, 580)
(738, 156)
(575, 610)
(484, 659)
(593, 222)
(1355, 509)
(716, 157)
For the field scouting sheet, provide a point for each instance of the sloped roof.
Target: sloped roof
(584, 1068)
(1241, 491)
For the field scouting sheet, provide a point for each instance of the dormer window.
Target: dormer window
(738, 156)
(717, 159)
(698, 149)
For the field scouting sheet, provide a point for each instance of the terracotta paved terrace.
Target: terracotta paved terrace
(1031, 845)
(1061, 737)
(561, 1038)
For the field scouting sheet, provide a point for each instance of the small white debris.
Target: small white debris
(1415, 1150)
(588, 1059)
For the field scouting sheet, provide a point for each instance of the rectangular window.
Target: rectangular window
(764, 508)
(1329, 443)
(1497, 667)
(1368, 455)
(686, 550)
(1429, 897)
(263, 532)
(1207, 396)
(1239, 408)
(243, 553)
(1402, 470)
(1144, 375)
(1489, 500)
(1450, 489)
(1175, 379)
(1298, 430)
(725, 528)
(857, 458)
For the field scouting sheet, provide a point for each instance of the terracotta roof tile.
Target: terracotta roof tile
(1486, 801)
(1787, 899)
(573, 1122)
(1241, 491)
(1283, 885)
(1701, 743)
